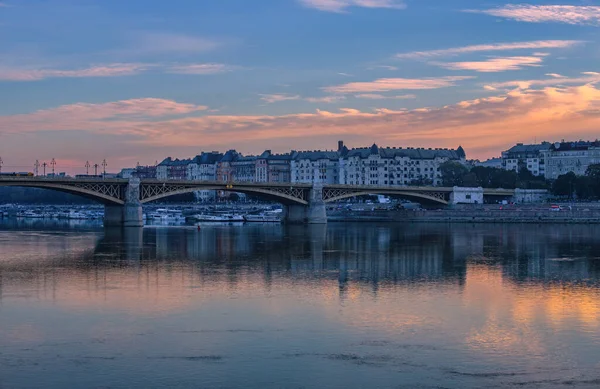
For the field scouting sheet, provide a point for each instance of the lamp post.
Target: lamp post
(87, 168)
(44, 165)
(104, 164)
(36, 167)
(95, 169)
(1, 163)
(53, 164)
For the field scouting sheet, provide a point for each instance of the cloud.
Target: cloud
(557, 79)
(200, 69)
(483, 126)
(278, 97)
(108, 70)
(493, 65)
(325, 99)
(95, 117)
(569, 14)
(390, 84)
(375, 96)
(341, 5)
(531, 45)
(386, 67)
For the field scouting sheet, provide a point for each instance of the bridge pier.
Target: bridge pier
(129, 214)
(313, 213)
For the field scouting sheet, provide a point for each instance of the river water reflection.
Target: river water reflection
(347, 305)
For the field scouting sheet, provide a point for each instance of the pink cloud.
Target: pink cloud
(556, 79)
(376, 96)
(531, 45)
(325, 99)
(341, 5)
(109, 70)
(200, 69)
(483, 126)
(278, 97)
(493, 64)
(390, 84)
(569, 14)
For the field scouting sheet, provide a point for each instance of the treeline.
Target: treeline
(567, 185)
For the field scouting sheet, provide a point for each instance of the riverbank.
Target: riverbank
(519, 215)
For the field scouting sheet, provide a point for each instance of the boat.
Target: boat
(223, 217)
(166, 215)
(265, 217)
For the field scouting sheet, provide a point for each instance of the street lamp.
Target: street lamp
(1, 163)
(44, 165)
(87, 168)
(95, 169)
(53, 164)
(36, 167)
(104, 164)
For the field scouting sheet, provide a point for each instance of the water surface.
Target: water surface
(347, 305)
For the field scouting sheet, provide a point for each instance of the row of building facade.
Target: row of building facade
(550, 160)
(389, 166)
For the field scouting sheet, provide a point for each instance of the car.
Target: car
(556, 208)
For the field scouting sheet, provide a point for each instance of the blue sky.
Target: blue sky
(139, 80)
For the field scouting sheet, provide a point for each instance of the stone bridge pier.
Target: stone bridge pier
(129, 214)
(313, 213)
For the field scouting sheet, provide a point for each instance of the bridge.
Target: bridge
(303, 203)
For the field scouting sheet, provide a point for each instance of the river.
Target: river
(269, 306)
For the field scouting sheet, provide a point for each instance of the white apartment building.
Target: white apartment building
(564, 157)
(530, 156)
(395, 166)
(315, 167)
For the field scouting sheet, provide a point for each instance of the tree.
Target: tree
(453, 173)
(565, 185)
(593, 175)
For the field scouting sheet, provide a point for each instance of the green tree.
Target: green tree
(593, 175)
(453, 173)
(565, 185)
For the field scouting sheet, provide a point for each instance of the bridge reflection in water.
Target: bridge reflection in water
(362, 254)
(355, 305)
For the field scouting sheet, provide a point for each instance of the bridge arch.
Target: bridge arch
(107, 194)
(431, 197)
(283, 195)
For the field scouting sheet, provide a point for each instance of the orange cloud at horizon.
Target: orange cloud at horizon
(484, 126)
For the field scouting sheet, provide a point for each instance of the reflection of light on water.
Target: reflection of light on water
(513, 315)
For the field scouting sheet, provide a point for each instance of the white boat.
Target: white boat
(263, 218)
(166, 215)
(223, 217)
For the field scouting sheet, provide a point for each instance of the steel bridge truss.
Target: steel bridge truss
(334, 194)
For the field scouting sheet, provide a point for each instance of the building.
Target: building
(173, 169)
(203, 167)
(315, 167)
(393, 166)
(273, 167)
(145, 172)
(492, 162)
(244, 168)
(127, 173)
(564, 157)
(522, 156)
(225, 167)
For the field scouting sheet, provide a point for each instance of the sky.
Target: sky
(139, 80)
